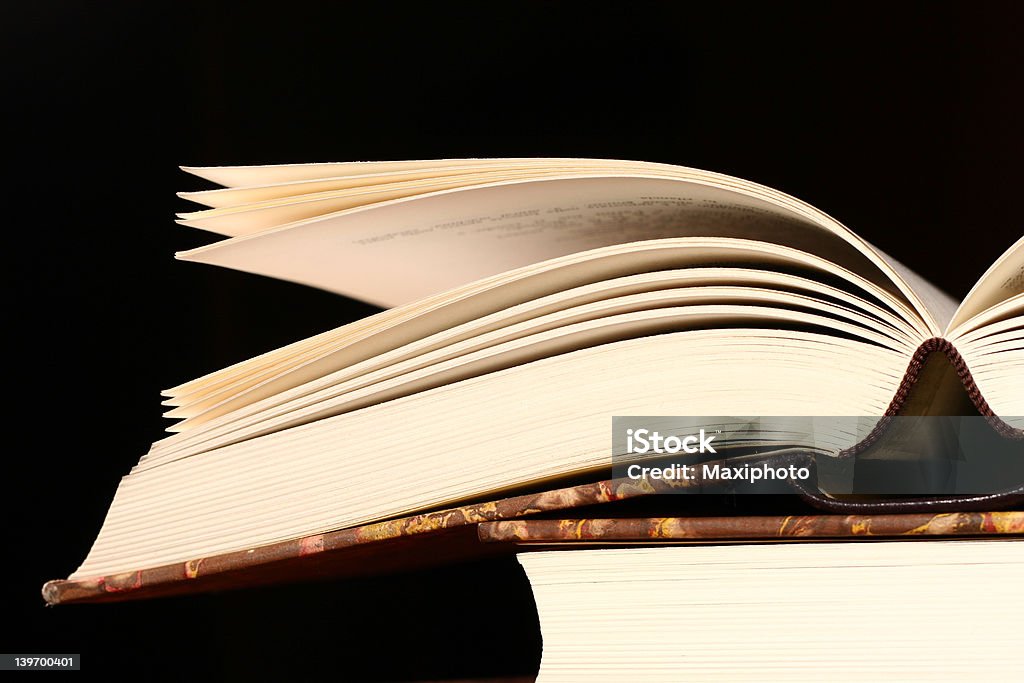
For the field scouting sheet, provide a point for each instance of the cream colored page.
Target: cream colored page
(238, 176)
(568, 330)
(849, 611)
(226, 197)
(484, 297)
(267, 489)
(1002, 281)
(448, 341)
(249, 219)
(1014, 306)
(248, 194)
(405, 250)
(531, 310)
(939, 304)
(620, 168)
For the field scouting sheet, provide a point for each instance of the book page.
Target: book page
(237, 176)
(983, 322)
(546, 212)
(939, 304)
(565, 330)
(387, 330)
(254, 217)
(236, 195)
(1002, 281)
(400, 251)
(515, 427)
(755, 612)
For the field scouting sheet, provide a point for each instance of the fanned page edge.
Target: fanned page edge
(895, 274)
(630, 169)
(1012, 257)
(273, 174)
(516, 280)
(229, 571)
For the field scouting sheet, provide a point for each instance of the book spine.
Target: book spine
(810, 527)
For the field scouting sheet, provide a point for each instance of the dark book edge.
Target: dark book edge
(648, 530)
(451, 528)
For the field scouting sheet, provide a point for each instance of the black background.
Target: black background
(903, 121)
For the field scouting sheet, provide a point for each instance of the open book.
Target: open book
(529, 300)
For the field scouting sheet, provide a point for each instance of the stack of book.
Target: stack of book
(528, 301)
